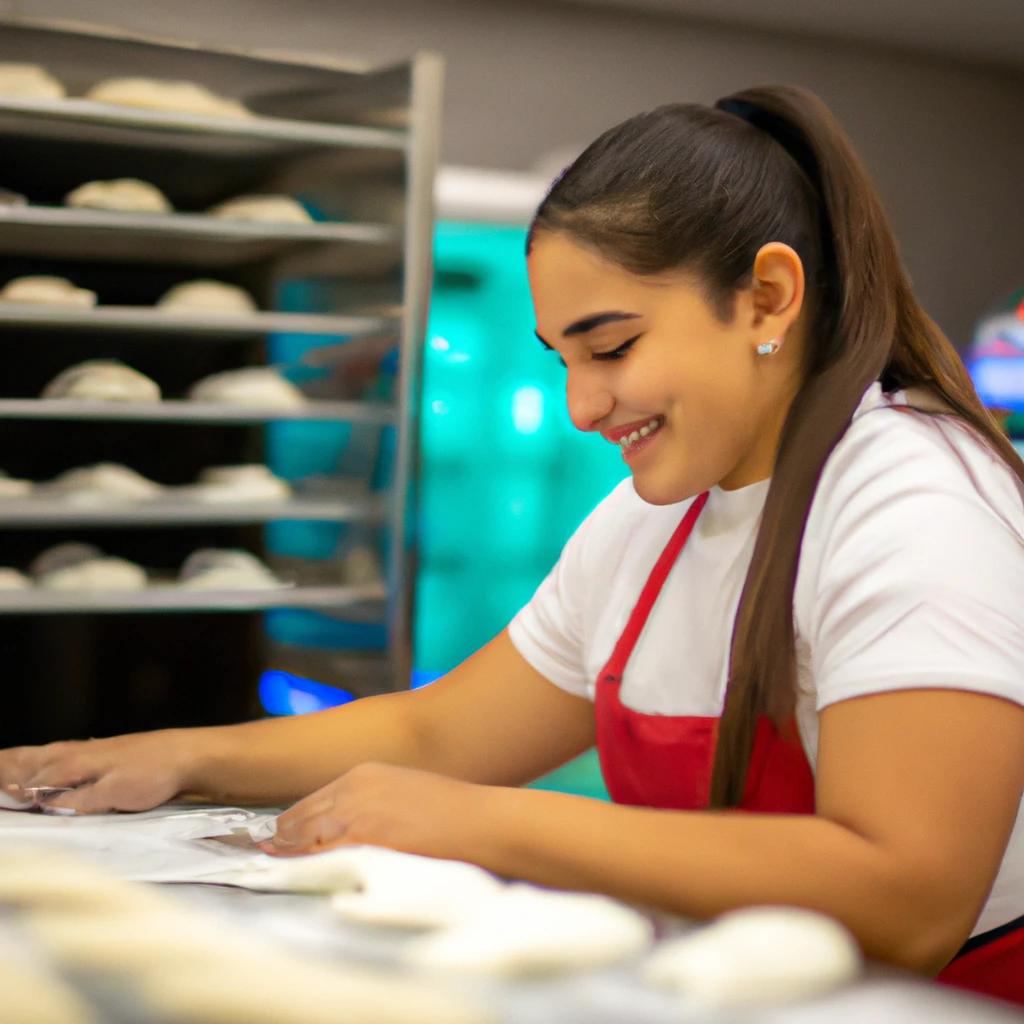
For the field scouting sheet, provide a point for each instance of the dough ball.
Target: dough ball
(34, 995)
(11, 488)
(526, 930)
(759, 955)
(215, 569)
(289, 991)
(269, 209)
(43, 290)
(252, 386)
(164, 94)
(207, 296)
(105, 482)
(103, 380)
(255, 482)
(84, 567)
(11, 579)
(126, 195)
(29, 82)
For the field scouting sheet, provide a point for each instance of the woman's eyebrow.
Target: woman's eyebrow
(590, 323)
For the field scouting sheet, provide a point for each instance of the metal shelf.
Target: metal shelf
(182, 238)
(53, 513)
(362, 599)
(179, 411)
(153, 320)
(73, 111)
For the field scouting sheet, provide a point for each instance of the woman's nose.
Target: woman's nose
(588, 401)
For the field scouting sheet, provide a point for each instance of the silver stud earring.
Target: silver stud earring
(768, 348)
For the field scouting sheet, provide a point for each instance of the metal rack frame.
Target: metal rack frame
(378, 125)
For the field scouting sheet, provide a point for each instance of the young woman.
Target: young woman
(805, 604)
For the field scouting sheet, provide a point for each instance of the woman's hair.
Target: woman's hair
(700, 189)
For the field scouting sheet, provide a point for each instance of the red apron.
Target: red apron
(665, 761)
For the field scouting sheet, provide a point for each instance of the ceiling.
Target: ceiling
(975, 31)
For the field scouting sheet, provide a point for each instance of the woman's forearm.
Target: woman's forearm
(699, 864)
(278, 760)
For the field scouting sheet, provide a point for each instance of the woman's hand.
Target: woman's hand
(123, 773)
(382, 805)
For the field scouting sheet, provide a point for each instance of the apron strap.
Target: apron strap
(638, 617)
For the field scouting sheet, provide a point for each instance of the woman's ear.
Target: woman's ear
(777, 289)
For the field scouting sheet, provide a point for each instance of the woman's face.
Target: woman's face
(684, 396)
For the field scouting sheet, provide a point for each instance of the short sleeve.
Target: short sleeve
(549, 632)
(915, 558)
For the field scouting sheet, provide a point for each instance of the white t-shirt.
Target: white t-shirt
(911, 575)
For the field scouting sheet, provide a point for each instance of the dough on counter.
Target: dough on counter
(12, 579)
(12, 488)
(166, 94)
(268, 209)
(103, 380)
(207, 296)
(526, 930)
(125, 195)
(102, 483)
(254, 386)
(219, 569)
(34, 995)
(44, 290)
(223, 484)
(757, 955)
(84, 567)
(286, 990)
(29, 82)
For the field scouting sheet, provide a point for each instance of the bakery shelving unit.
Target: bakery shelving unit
(359, 147)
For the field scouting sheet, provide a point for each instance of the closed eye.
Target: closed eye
(617, 353)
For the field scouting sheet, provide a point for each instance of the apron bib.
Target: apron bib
(665, 761)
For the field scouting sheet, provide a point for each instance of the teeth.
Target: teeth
(644, 431)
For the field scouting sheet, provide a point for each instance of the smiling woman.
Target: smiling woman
(803, 603)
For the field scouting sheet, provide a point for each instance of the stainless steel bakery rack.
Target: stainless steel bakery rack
(358, 146)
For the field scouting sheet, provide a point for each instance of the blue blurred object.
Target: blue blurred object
(996, 356)
(282, 693)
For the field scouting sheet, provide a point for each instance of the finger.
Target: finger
(91, 798)
(306, 835)
(59, 774)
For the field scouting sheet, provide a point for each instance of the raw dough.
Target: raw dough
(165, 94)
(102, 483)
(207, 296)
(253, 386)
(526, 930)
(239, 484)
(126, 195)
(759, 955)
(215, 569)
(32, 995)
(103, 380)
(29, 82)
(44, 290)
(85, 567)
(286, 990)
(11, 488)
(268, 209)
(11, 579)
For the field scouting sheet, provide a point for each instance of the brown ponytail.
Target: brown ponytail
(688, 186)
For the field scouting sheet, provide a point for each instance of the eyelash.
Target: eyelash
(614, 355)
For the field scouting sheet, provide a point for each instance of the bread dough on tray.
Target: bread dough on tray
(266, 209)
(84, 567)
(229, 484)
(206, 296)
(166, 94)
(29, 82)
(102, 483)
(45, 290)
(220, 569)
(257, 387)
(12, 488)
(12, 579)
(103, 380)
(125, 195)
(756, 956)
